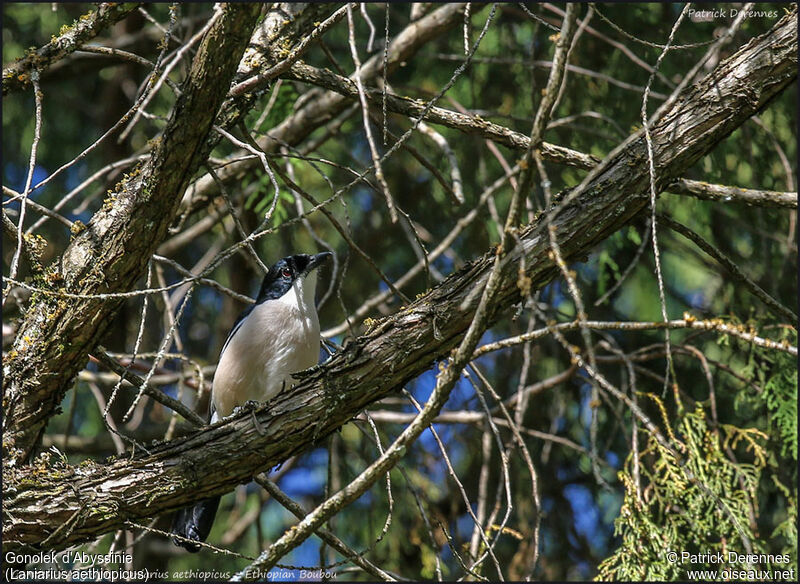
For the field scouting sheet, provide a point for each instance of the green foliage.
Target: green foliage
(787, 529)
(281, 107)
(261, 199)
(780, 395)
(607, 264)
(700, 504)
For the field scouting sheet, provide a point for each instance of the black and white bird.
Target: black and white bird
(271, 339)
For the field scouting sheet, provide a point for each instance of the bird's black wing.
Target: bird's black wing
(236, 325)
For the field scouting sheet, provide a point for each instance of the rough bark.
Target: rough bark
(62, 506)
(284, 26)
(111, 253)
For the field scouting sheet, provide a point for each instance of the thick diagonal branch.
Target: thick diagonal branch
(56, 336)
(71, 506)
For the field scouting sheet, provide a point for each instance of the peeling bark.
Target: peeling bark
(62, 506)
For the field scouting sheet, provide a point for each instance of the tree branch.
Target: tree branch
(17, 76)
(32, 247)
(438, 115)
(732, 268)
(712, 192)
(55, 337)
(103, 357)
(475, 125)
(714, 325)
(97, 499)
(324, 107)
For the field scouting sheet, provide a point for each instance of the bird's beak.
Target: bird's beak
(317, 259)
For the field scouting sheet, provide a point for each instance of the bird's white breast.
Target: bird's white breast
(278, 338)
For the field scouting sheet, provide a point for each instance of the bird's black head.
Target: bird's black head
(286, 271)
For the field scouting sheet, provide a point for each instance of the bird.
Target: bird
(269, 341)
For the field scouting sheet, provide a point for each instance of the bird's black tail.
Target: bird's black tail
(195, 522)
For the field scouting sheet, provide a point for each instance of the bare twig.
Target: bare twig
(103, 357)
(262, 78)
(734, 270)
(653, 193)
(326, 536)
(18, 75)
(723, 193)
(37, 136)
(717, 325)
(373, 149)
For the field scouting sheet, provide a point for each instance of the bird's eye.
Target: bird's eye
(286, 273)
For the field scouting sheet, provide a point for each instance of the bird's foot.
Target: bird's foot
(251, 406)
(315, 368)
(301, 375)
(328, 344)
(256, 424)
